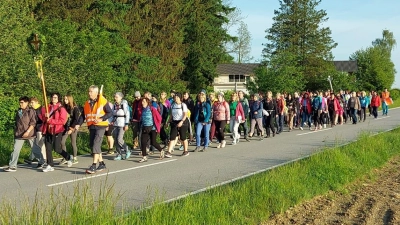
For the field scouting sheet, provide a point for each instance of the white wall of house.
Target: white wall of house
(222, 83)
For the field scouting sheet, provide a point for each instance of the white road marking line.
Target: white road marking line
(104, 174)
(381, 118)
(313, 132)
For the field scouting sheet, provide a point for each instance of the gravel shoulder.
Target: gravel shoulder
(371, 201)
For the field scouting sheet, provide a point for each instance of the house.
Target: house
(234, 76)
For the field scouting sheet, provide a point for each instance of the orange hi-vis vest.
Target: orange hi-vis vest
(91, 114)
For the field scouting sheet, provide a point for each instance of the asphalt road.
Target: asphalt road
(177, 176)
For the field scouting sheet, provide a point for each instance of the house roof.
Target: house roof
(346, 66)
(248, 68)
(237, 68)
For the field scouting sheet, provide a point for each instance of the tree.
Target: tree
(242, 45)
(376, 70)
(297, 40)
(205, 38)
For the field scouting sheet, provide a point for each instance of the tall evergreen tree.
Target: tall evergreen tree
(297, 40)
(205, 38)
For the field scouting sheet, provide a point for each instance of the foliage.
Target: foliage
(297, 34)
(376, 70)
(395, 93)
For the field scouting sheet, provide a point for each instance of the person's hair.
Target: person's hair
(24, 98)
(147, 100)
(186, 92)
(179, 95)
(58, 96)
(94, 87)
(202, 98)
(162, 100)
(71, 102)
(119, 94)
(34, 99)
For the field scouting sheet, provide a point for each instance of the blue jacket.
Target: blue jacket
(256, 106)
(204, 108)
(363, 101)
(317, 103)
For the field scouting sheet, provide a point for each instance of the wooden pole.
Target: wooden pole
(39, 69)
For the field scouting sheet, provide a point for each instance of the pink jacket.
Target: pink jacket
(239, 112)
(221, 111)
(156, 118)
(55, 124)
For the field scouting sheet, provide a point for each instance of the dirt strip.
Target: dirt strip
(369, 202)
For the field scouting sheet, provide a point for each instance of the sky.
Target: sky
(354, 24)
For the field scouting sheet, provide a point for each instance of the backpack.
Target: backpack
(188, 112)
(122, 107)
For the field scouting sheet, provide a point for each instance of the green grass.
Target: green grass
(248, 201)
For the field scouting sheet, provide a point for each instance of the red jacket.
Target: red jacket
(336, 104)
(375, 101)
(308, 104)
(137, 110)
(55, 124)
(280, 103)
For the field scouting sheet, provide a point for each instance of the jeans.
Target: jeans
(38, 149)
(17, 149)
(199, 128)
(234, 126)
(279, 123)
(385, 108)
(353, 112)
(305, 118)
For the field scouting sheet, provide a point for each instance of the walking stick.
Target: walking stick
(39, 68)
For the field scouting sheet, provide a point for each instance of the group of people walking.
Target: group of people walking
(198, 121)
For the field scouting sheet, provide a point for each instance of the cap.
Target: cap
(203, 91)
(137, 94)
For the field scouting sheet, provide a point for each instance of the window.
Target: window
(237, 78)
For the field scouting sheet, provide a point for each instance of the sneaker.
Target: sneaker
(196, 149)
(168, 155)
(91, 170)
(219, 145)
(247, 139)
(203, 149)
(48, 169)
(223, 143)
(118, 157)
(237, 140)
(324, 126)
(39, 166)
(75, 160)
(181, 148)
(69, 162)
(101, 167)
(162, 154)
(63, 161)
(234, 142)
(301, 128)
(144, 159)
(151, 152)
(10, 169)
(128, 154)
(185, 153)
(28, 161)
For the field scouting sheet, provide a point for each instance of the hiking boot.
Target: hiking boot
(48, 169)
(185, 153)
(10, 169)
(91, 170)
(144, 159)
(118, 157)
(101, 167)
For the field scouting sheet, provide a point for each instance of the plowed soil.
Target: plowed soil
(369, 202)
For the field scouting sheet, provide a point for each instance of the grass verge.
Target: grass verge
(248, 201)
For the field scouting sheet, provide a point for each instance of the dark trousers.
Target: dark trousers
(54, 142)
(375, 111)
(315, 117)
(145, 137)
(219, 129)
(135, 129)
(245, 128)
(332, 115)
(353, 112)
(269, 123)
(163, 135)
